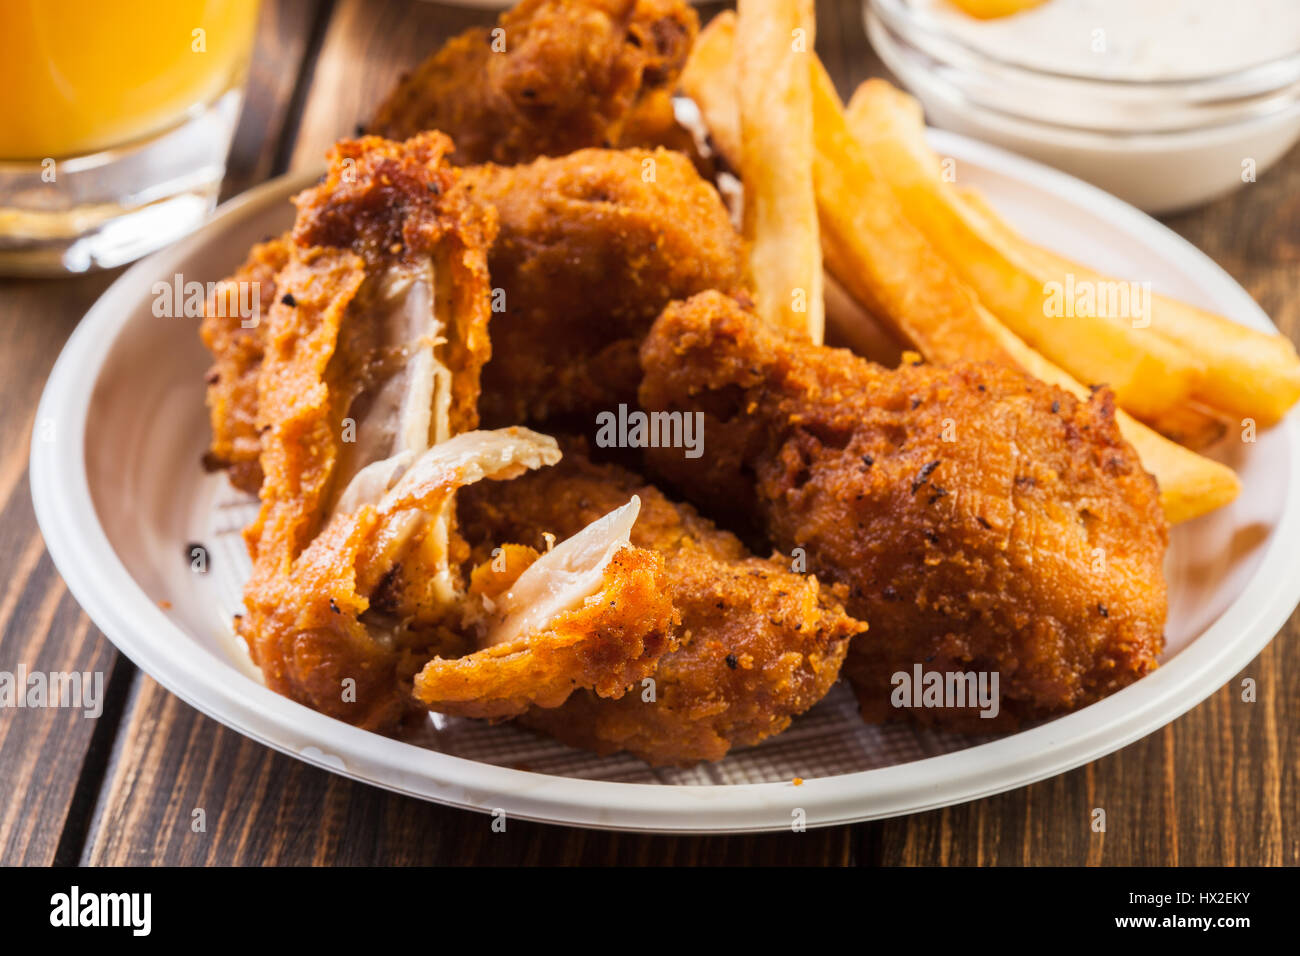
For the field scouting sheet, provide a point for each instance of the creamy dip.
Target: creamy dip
(1131, 39)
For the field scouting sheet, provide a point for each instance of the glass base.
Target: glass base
(106, 209)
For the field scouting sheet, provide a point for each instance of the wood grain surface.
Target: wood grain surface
(1218, 786)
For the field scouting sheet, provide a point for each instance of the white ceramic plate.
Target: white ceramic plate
(119, 495)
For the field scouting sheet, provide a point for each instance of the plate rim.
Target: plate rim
(105, 588)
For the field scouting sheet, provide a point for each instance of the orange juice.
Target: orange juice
(83, 75)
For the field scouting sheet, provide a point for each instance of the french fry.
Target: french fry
(887, 266)
(1149, 374)
(1248, 374)
(709, 78)
(1194, 425)
(776, 162)
(879, 256)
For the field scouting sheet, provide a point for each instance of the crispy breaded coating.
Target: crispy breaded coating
(384, 210)
(591, 247)
(382, 200)
(603, 647)
(653, 124)
(235, 340)
(982, 520)
(587, 255)
(553, 76)
(759, 643)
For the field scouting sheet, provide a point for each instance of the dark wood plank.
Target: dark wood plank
(42, 751)
(366, 50)
(277, 76)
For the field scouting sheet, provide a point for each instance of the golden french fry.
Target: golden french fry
(1099, 335)
(709, 79)
(1194, 425)
(879, 256)
(776, 162)
(1248, 374)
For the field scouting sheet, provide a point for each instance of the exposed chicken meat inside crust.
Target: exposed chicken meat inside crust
(759, 643)
(314, 622)
(982, 521)
(606, 624)
(553, 76)
(371, 353)
(421, 244)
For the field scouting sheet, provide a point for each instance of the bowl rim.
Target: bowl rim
(902, 17)
(141, 630)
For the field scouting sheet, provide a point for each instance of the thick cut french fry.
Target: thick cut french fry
(879, 256)
(1194, 425)
(709, 78)
(776, 162)
(1099, 335)
(1248, 374)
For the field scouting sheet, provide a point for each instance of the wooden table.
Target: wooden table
(1220, 785)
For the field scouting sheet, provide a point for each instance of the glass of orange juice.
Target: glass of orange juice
(115, 120)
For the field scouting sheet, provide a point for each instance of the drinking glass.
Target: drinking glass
(115, 120)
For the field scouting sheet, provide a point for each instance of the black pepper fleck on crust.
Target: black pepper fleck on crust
(924, 475)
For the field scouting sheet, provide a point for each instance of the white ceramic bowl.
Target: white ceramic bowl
(119, 495)
(1161, 145)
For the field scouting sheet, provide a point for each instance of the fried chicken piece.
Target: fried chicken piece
(382, 200)
(372, 350)
(592, 615)
(592, 246)
(375, 342)
(554, 76)
(232, 331)
(982, 520)
(317, 621)
(759, 643)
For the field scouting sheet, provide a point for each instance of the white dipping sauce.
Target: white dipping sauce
(1132, 39)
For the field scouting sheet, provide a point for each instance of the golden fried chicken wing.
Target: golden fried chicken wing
(759, 643)
(591, 247)
(982, 520)
(553, 76)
